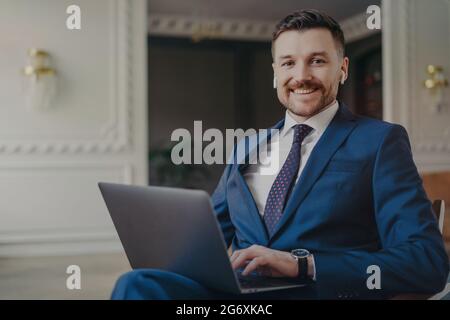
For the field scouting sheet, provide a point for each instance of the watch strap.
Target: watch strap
(302, 268)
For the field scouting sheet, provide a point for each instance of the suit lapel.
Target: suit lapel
(253, 213)
(336, 133)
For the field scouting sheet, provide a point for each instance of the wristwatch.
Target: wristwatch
(301, 255)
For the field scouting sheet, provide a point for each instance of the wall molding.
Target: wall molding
(53, 242)
(442, 145)
(438, 146)
(51, 162)
(427, 165)
(61, 240)
(115, 135)
(403, 99)
(125, 168)
(188, 27)
(396, 76)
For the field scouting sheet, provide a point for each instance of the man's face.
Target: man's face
(308, 69)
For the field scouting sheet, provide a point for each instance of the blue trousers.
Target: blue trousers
(154, 284)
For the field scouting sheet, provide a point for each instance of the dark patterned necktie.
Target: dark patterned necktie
(285, 180)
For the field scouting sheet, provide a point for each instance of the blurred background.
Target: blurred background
(221, 70)
(98, 101)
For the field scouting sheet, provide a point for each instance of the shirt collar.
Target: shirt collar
(318, 122)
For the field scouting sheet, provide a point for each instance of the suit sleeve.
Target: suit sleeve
(220, 205)
(412, 258)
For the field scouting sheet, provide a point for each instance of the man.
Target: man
(346, 190)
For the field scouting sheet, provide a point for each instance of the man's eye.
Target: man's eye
(318, 61)
(287, 63)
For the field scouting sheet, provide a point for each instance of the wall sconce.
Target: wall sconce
(436, 83)
(40, 80)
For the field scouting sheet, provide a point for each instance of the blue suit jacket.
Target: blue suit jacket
(358, 202)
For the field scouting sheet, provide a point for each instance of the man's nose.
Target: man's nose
(301, 73)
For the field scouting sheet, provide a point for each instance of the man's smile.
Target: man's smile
(303, 91)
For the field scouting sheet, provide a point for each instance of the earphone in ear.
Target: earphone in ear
(274, 82)
(343, 77)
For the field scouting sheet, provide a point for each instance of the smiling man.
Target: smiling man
(346, 197)
(308, 75)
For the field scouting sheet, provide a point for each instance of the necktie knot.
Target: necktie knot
(300, 132)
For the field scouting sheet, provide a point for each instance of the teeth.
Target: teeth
(303, 91)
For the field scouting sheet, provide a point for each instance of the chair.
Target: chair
(439, 210)
(437, 186)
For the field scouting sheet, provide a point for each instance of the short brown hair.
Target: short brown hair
(311, 19)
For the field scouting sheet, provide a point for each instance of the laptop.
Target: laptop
(176, 230)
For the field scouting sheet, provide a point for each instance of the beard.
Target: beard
(327, 96)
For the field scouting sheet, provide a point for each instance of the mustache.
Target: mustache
(306, 84)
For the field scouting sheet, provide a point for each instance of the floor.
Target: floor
(45, 277)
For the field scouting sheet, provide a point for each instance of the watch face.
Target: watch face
(300, 253)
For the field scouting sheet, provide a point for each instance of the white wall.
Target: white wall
(417, 33)
(50, 162)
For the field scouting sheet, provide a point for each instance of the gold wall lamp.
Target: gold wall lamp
(40, 80)
(436, 84)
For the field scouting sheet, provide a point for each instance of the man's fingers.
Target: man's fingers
(239, 258)
(255, 264)
(243, 257)
(234, 255)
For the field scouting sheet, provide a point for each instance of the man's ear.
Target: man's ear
(344, 69)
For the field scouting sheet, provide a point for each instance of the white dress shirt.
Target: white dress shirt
(281, 143)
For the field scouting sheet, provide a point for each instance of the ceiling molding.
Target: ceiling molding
(199, 28)
(211, 28)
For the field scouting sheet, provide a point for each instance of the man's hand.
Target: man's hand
(267, 262)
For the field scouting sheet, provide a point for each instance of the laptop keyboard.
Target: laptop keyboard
(256, 281)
